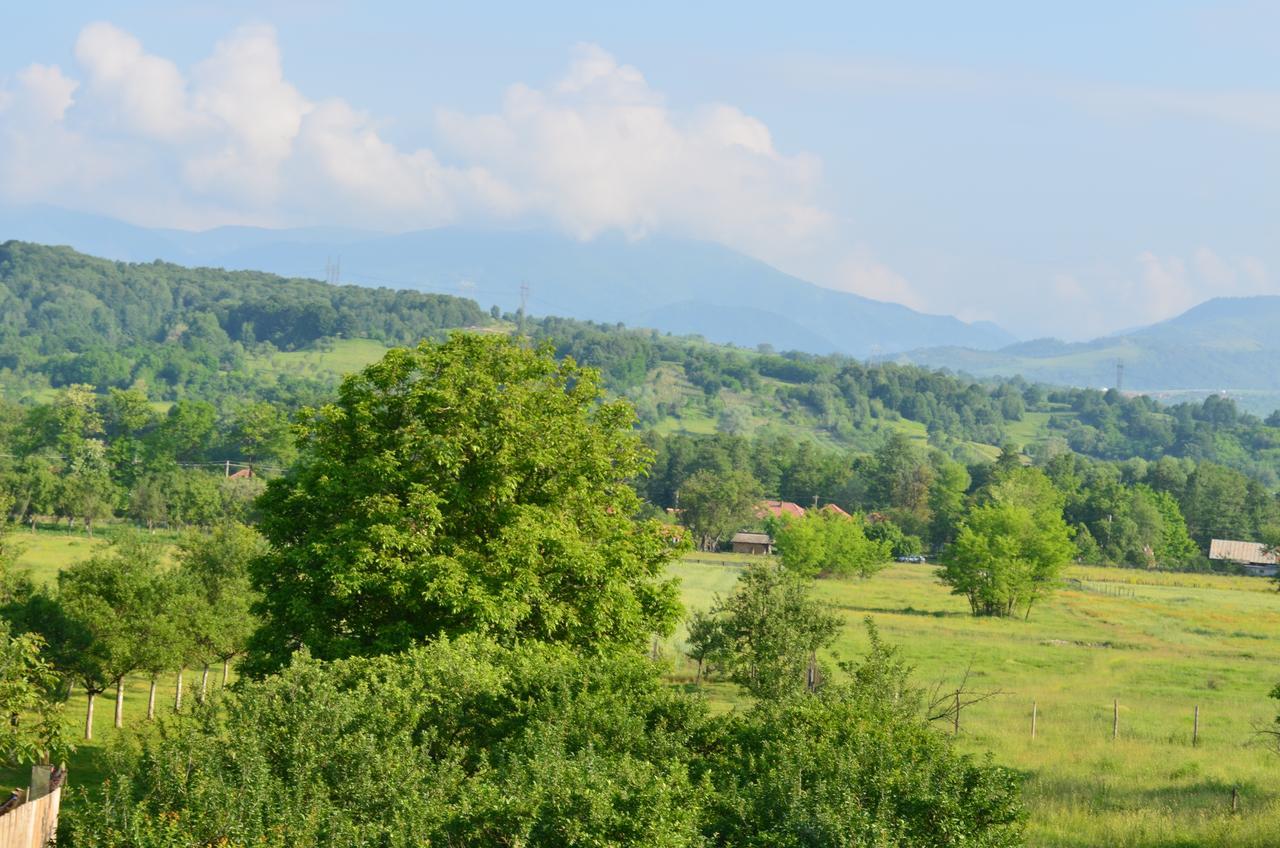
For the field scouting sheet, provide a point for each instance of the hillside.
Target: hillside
(672, 285)
(231, 337)
(1222, 345)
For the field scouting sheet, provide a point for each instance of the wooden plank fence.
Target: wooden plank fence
(32, 821)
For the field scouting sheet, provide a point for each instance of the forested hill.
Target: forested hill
(200, 334)
(79, 319)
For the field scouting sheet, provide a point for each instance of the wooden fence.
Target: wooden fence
(32, 821)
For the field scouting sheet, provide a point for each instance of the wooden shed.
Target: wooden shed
(752, 543)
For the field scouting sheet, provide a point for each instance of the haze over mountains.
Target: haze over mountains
(1222, 345)
(673, 285)
(690, 287)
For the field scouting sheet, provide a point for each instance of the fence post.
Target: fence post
(1195, 728)
(1115, 719)
(956, 725)
(1034, 708)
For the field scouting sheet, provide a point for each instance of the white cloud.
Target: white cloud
(600, 150)
(144, 93)
(232, 140)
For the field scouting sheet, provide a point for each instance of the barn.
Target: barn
(752, 543)
(1255, 557)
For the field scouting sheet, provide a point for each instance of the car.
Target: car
(917, 558)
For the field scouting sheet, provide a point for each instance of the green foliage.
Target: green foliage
(715, 505)
(465, 742)
(471, 486)
(1012, 548)
(856, 765)
(772, 630)
(459, 743)
(33, 729)
(828, 543)
(107, 619)
(214, 568)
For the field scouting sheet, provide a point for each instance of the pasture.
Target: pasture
(1158, 644)
(1179, 641)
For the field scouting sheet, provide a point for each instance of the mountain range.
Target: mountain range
(1222, 346)
(672, 285)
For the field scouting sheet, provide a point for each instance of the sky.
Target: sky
(1065, 170)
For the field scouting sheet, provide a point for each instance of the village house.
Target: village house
(1254, 557)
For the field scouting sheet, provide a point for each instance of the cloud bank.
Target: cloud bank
(231, 140)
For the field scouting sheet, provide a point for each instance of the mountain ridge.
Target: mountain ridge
(609, 279)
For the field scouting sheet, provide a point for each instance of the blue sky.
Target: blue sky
(1064, 171)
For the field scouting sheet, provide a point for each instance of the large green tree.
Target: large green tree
(472, 485)
(1011, 547)
(715, 505)
(828, 543)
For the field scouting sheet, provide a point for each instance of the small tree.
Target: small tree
(105, 602)
(217, 568)
(828, 543)
(772, 630)
(705, 642)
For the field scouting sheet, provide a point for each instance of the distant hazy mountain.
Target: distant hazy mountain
(668, 284)
(1224, 344)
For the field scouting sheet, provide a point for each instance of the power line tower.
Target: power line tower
(524, 305)
(1119, 375)
(333, 270)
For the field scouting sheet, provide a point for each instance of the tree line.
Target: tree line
(1135, 513)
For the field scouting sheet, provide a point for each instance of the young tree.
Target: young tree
(105, 604)
(772, 630)
(1012, 547)
(705, 642)
(828, 543)
(715, 505)
(216, 566)
(470, 485)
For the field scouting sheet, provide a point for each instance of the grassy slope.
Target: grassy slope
(1183, 640)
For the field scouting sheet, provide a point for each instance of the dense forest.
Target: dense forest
(67, 318)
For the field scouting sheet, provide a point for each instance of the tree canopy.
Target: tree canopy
(475, 485)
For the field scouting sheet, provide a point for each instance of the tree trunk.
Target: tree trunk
(697, 680)
(204, 682)
(226, 663)
(151, 700)
(177, 691)
(119, 702)
(88, 716)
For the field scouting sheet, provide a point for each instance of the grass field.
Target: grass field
(344, 357)
(1159, 644)
(1179, 642)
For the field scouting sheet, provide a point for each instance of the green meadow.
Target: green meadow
(1159, 645)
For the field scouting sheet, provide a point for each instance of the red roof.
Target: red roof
(835, 510)
(778, 509)
(242, 474)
